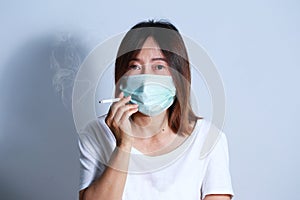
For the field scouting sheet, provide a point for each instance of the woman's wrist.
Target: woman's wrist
(125, 145)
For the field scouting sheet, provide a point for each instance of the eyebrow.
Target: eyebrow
(153, 59)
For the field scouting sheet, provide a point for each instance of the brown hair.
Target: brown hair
(166, 35)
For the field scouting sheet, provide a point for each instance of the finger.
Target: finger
(121, 95)
(120, 112)
(115, 106)
(110, 114)
(127, 114)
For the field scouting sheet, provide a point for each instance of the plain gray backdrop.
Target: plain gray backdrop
(254, 44)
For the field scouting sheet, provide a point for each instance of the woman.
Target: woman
(154, 120)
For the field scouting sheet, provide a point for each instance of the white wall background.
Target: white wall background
(254, 44)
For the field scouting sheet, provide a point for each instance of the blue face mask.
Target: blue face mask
(153, 93)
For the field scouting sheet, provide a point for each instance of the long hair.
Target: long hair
(168, 38)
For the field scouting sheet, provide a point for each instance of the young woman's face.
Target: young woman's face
(150, 60)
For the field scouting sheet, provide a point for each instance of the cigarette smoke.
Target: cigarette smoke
(66, 56)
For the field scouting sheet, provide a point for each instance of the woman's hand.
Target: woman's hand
(218, 197)
(118, 120)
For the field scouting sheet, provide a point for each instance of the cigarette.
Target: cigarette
(109, 100)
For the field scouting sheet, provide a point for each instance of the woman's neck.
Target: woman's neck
(153, 136)
(147, 127)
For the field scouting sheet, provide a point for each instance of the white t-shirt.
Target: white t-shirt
(176, 175)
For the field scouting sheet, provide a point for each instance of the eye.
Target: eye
(134, 67)
(160, 67)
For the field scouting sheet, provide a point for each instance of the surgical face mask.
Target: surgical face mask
(153, 93)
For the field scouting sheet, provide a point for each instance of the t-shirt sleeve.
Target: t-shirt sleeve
(90, 167)
(96, 144)
(217, 179)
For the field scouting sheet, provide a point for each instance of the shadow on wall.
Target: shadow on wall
(38, 140)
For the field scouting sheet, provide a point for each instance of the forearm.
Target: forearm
(110, 185)
(218, 197)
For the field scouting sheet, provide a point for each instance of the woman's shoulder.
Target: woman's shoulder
(208, 135)
(97, 130)
(96, 142)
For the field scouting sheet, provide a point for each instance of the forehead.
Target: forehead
(150, 49)
(150, 43)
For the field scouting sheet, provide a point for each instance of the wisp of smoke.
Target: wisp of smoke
(65, 59)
